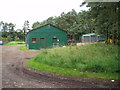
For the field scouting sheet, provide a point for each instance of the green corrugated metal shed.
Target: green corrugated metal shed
(47, 36)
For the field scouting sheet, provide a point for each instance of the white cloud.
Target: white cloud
(17, 11)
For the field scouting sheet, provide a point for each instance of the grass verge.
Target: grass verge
(23, 48)
(94, 61)
(70, 72)
(15, 43)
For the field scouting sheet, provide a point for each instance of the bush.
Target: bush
(17, 39)
(5, 40)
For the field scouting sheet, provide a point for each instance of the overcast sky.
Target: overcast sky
(17, 11)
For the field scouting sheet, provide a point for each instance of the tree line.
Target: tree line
(101, 18)
(9, 33)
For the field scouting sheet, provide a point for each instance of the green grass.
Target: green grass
(23, 48)
(94, 60)
(15, 43)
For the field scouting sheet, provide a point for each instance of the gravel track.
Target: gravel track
(16, 75)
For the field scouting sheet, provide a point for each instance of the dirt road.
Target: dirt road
(15, 76)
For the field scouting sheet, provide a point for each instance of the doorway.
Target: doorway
(42, 43)
(55, 42)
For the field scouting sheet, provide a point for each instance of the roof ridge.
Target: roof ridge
(44, 26)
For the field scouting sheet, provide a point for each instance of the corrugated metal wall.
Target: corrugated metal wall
(92, 38)
(46, 37)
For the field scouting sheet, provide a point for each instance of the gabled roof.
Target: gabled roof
(46, 25)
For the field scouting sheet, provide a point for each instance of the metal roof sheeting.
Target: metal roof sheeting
(90, 34)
